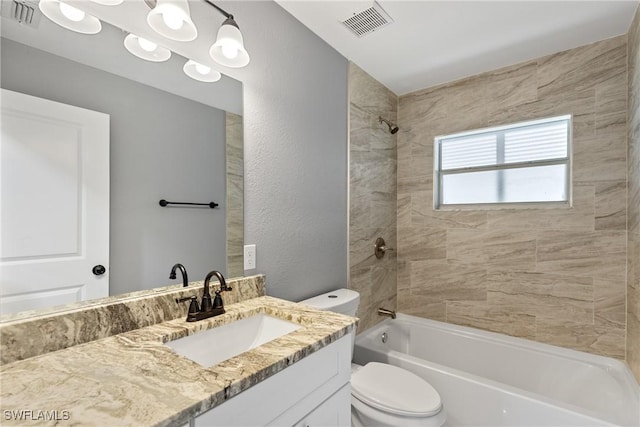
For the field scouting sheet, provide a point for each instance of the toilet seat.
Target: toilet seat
(394, 390)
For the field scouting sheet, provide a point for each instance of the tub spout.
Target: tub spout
(385, 312)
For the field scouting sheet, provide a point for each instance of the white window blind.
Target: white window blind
(520, 163)
(469, 151)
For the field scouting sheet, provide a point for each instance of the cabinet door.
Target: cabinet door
(333, 412)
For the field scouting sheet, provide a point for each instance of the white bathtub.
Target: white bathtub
(489, 379)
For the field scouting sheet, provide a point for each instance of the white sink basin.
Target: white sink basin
(212, 346)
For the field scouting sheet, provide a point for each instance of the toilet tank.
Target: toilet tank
(343, 301)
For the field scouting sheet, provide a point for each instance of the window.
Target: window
(521, 163)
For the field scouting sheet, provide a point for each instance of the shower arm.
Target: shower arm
(393, 128)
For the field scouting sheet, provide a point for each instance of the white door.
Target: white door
(54, 203)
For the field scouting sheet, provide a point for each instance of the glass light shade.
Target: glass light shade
(71, 13)
(172, 19)
(146, 49)
(69, 17)
(201, 72)
(228, 50)
(108, 2)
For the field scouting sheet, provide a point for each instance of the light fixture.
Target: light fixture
(228, 50)
(169, 18)
(172, 19)
(70, 17)
(108, 2)
(201, 72)
(146, 49)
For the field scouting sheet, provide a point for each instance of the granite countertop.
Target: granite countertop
(133, 379)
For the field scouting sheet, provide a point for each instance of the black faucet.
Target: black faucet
(172, 275)
(207, 307)
(223, 283)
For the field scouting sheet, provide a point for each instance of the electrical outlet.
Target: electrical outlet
(249, 257)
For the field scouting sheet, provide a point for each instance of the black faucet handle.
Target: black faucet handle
(217, 301)
(193, 305)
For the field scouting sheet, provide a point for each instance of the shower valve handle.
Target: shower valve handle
(381, 248)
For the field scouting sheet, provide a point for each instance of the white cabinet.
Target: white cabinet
(331, 412)
(314, 391)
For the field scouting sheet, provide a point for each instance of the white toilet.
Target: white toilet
(382, 394)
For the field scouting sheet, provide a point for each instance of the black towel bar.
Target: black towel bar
(164, 203)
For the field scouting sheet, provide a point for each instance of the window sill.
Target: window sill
(503, 206)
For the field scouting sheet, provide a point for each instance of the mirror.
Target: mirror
(171, 138)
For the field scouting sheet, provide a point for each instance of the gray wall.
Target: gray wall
(295, 111)
(162, 146)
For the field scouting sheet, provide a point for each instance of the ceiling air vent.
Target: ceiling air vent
(24, 12)
(368, 20)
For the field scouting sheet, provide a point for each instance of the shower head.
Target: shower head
(393, 128)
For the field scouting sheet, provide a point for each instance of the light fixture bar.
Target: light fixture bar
(221, 10)
(153, 3)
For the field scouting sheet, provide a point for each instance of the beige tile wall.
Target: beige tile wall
(551, 275)
(372, 194)
(633, 239)
(235, 195)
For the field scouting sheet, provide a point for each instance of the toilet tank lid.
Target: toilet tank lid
(332, 299)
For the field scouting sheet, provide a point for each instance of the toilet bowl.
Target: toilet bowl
(381, 394)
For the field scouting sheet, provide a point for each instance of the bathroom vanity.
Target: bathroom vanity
(301, 377)
(314, 391)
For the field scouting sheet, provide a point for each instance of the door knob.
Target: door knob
(99, 270)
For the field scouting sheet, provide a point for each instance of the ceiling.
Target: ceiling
(433, 42)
